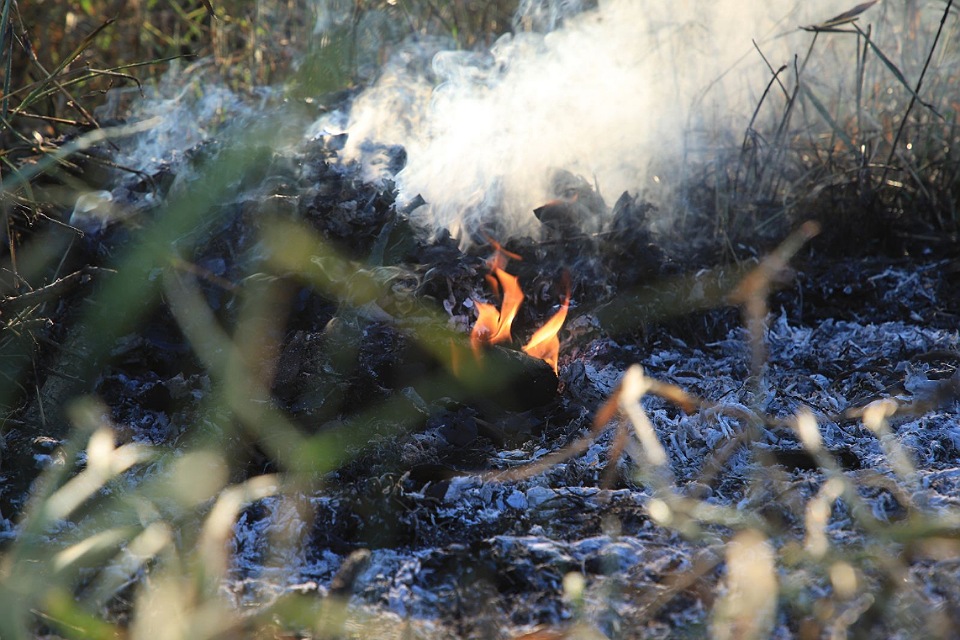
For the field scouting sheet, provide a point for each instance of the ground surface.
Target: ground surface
(422, 545)
(472, 558)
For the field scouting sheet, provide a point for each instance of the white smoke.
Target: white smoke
(613, 94)
(189, 107)
(618, 94)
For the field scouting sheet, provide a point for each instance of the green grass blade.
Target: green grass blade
(51, 76)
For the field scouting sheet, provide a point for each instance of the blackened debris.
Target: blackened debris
(631, 254)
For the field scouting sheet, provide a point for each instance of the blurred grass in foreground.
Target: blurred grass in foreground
(129, 541)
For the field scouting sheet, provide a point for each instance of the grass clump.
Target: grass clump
(867, 155)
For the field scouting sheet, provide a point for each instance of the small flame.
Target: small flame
(493, 325)
(545, 344)
(498, 260)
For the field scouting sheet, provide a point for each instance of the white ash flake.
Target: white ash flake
(539, 527)
(268, 559)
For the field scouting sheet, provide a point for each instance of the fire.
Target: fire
(498, 261)
(493, 325)
(545, 344)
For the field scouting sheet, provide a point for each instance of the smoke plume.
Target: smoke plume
(617, 94)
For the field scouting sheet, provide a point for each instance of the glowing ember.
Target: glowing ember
(545, 344)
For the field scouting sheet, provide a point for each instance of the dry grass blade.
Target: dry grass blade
(939, 395)
(98, 544)
(876, 417)
(624, 400)
(687, 402)
(633, 387)
(105, 462)
(50, 292)
(209, 7)
(90, 73)
(914, 93)
(748, 608)
(6, 51)
(572, 450)
(751, 133)
(608, 410)
(825, 114)
(23, 175)
(895, 70)
(759, 281)
(542, 634)
(844, 18)
(51, 76)
(753, 290)
(617, 447)
(219, 524)
(817, 516)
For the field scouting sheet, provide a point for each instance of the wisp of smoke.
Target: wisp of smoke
(613, 94)
(189, 108)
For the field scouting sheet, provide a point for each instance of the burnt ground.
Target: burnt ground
(463, 557)
(421, 544)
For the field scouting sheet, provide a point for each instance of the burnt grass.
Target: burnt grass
(413, 492)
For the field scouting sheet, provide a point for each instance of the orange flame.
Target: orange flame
(545, 344)
(500, 255)
(493, 325)
(498, 260)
